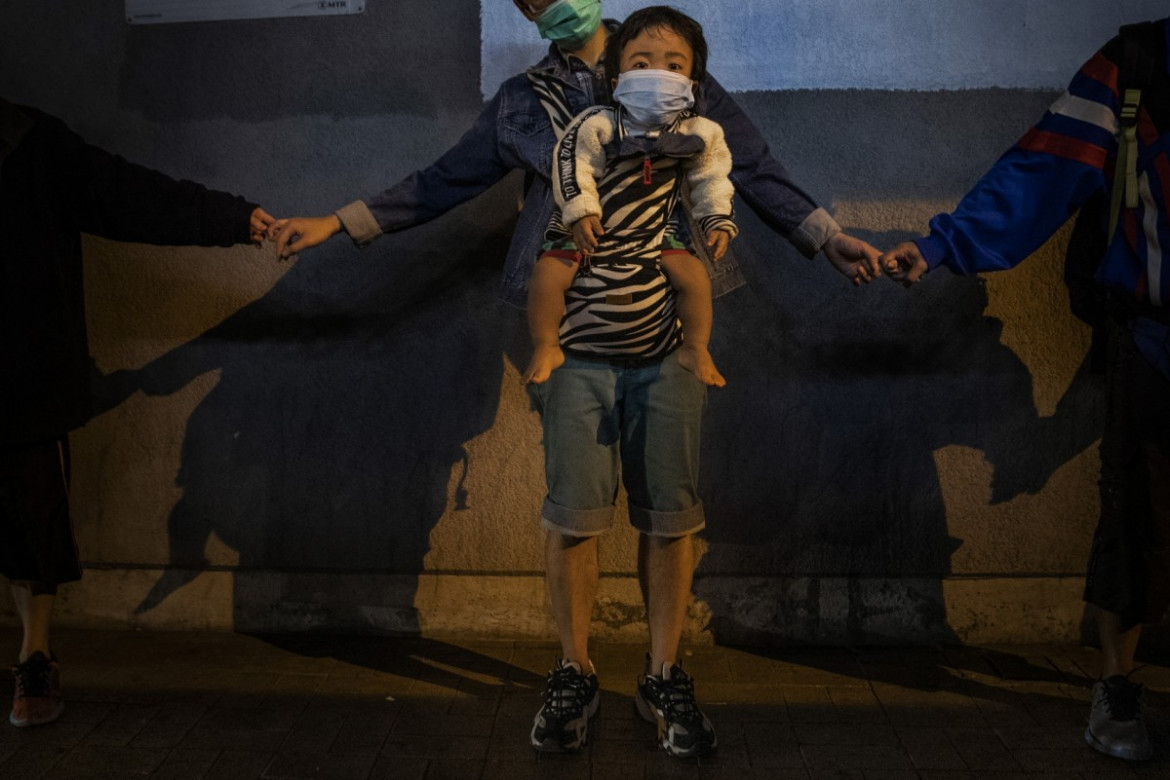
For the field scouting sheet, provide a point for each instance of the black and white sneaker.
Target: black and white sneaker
(668, 699)
(570, 700)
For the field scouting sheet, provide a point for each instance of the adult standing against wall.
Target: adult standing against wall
(518, 130)
(1108, 137)
(53, 187)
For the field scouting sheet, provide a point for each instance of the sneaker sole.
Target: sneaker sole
(1115, 751)
(696, 752)
(21, 723)
(551, 746)
(650, 715)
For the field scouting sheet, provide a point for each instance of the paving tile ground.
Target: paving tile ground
(208, 705)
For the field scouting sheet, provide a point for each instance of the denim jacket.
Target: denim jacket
(514, 132)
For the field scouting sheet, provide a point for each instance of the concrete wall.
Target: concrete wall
(343, 442)
(866, 44)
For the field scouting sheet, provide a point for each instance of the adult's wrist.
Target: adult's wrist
(814, 232)
(358, 221)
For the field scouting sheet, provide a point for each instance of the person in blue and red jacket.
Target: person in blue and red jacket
(1101, 141)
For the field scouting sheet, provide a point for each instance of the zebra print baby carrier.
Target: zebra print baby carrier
(620, 303)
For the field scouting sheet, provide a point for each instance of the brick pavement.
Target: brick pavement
(201, 705)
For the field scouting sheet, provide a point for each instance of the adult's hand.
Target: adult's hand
(904, 263)
(854, 258)
(258, 225)
(299, 233)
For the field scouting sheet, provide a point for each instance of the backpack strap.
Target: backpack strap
(1125, 172)
(1125, 186)
(1135, 76)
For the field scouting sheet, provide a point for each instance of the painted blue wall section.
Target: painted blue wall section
(864, 44)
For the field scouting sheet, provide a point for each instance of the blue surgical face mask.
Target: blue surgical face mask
(570, 23)
(654, 98)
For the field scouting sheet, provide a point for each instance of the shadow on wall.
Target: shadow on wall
(347, 395)
(818, 457)
(344, 399)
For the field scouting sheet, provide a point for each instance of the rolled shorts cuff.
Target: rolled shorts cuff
(575, 522)
(683, 522)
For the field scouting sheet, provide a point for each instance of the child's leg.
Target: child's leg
(546, 307)
(693, 287)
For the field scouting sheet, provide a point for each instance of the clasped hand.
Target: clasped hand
(904, 263)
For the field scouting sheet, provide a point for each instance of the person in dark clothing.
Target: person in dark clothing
(1106, 137)
(54, 187)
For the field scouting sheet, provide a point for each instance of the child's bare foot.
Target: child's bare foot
(545, 360)
(698, 361)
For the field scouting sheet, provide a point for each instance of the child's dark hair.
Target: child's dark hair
(652, 17)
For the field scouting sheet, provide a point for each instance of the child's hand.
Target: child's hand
(698, 361)
(258, 225)
(545, 360)
(717, 244)
(904, 263)
(586, 232)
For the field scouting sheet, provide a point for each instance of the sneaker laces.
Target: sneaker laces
(1123, 699)
(32, 679)
(565, 691)
(678, 695)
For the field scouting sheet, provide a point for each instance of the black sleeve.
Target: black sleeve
(113, 198)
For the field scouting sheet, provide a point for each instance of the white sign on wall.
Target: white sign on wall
(163, 11)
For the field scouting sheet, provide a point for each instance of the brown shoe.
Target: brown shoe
(38, 697)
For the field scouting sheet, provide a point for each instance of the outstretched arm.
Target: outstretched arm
(764, 184)
(465, 170)
(1032, 189)
(111, 197)
(1006, 216)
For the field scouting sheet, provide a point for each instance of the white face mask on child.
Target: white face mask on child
(654, 98)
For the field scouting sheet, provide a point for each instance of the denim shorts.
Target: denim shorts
(642, 420)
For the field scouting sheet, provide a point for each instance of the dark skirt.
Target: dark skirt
(1129, 566)
(36, 534)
